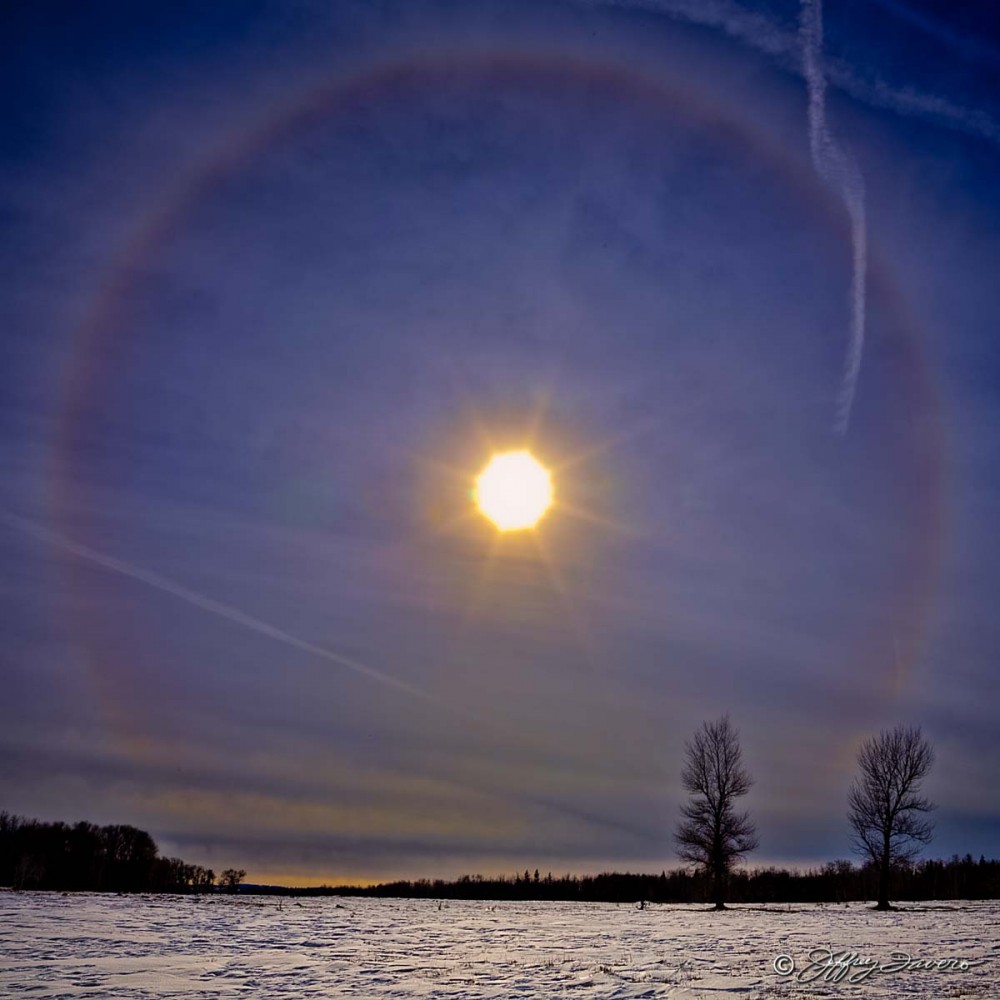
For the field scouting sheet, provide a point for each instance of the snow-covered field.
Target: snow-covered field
(79, 945)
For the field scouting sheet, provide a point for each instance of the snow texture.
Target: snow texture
(86, 945)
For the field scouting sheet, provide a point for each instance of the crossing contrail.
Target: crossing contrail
(841, 173)
(483, 724)
(166, 586)
(749, 26)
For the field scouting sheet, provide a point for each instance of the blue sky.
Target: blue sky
(277, 279)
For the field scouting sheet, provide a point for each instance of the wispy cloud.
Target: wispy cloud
(974, 48)
(780, 41)
(840, 171)
(154, 580)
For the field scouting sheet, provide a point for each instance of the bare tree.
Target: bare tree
(231, 878)
(712, 835)
(885, 807)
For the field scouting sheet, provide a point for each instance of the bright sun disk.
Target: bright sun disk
(514, 490)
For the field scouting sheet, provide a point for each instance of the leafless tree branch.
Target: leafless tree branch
(885, 808)
(711, 834)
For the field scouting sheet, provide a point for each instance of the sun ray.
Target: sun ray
(482, 578)
(576, 622)
(436, 465)
(582, 514)
(542, 403)
(640, 427)
(453, 524)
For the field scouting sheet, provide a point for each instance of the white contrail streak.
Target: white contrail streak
(769, 36)
(841, 173)
(161, 583)
(234, 615)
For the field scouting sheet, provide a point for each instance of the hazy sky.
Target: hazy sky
(277, 278)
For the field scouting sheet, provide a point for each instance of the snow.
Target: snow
(90, 945)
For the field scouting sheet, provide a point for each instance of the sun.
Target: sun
(514, 490)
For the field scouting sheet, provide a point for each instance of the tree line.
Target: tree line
(82, 856)
(835, 882)
(85, 857)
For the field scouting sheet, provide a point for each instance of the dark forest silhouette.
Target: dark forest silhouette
(82, 856)
(834, 882)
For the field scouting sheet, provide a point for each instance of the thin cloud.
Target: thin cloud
(781, 43)
(841, 173)
(974, 48)
(161, 583)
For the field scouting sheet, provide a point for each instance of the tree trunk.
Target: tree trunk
(719, 888)
(883, 879)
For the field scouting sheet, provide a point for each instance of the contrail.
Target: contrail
(769, 36)
(234, 615)
(161, 583)
(841, 173)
